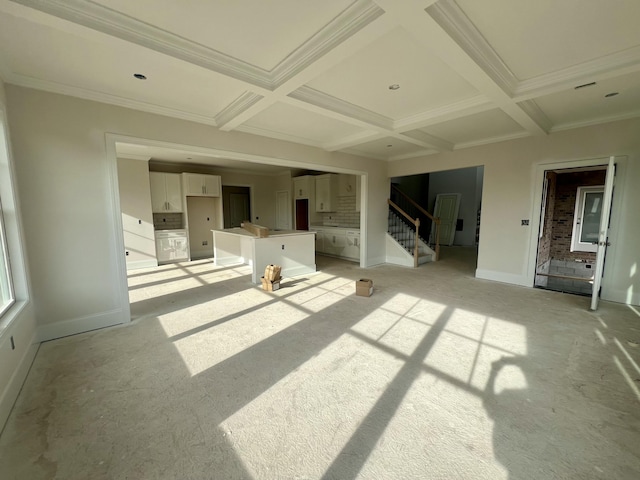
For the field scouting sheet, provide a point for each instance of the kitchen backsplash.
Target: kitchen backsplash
(167, 221)
(345, 215)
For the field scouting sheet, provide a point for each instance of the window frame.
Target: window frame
(576, 234)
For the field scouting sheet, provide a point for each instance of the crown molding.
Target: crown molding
(596, 121)
(353, 140)
(357, 16)
(328, 102)
(425, 140)
(407, 156)
(111, 22)
(235, 108)
(532, 109)
(263, 132)
(487, 141)
(620, 63)
(133, 156)
(54, 87)
(453, 20)
(469, 106)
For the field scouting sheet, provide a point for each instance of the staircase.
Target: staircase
(404, 222)
(405, 235)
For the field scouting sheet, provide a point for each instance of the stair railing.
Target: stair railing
(416, 224)
(407, 204)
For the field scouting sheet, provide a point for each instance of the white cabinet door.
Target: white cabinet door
(320, 241)
(166, 193)
(346, 185)
(211, 185)
(326, 193)
(302, 187)
(174, 192)
(199, 185)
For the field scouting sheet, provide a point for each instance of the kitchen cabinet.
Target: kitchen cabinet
(304, 187)
(335, 241)
(346, 185)
(352, 248)
(326, 192)
(358, 192)
(200, 185)
(166, 193)
(319, 240)
(171, 246)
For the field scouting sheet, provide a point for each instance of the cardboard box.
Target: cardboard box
(364, 287)
(272, 272)
(270, 285)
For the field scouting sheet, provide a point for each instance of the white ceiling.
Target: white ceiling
(318, 73)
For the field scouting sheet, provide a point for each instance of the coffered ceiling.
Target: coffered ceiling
(467, 72)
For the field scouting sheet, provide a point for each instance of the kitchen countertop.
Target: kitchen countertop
(348, 227)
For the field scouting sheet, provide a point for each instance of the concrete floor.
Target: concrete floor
(437, 375)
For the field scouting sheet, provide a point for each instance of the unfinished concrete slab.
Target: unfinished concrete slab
(436, 375)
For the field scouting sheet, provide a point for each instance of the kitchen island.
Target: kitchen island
(293, 250)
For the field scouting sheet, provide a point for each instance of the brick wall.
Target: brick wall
(544, 244)
(565, 203)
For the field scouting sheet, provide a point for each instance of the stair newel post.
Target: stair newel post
(416, 247)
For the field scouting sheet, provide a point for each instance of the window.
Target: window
(586, 219)
(6, 288)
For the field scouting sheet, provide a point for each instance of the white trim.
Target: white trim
(10, 393)
(487, 141)
(263, 132)
(595, 121)
(106, 20)
(576, 232)
(452, 111)
(236, 107)
(511, 278)
(54, 87)
(83, 324)
(136, 264)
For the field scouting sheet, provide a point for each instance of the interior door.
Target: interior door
(238, 209)
(447, 206)
(603, 236)
(283, 209)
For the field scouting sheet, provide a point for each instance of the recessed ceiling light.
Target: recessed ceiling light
(389, 145)
(189, 158)
(612, 94)
(590, 84)
(395, 86)
(140, 76)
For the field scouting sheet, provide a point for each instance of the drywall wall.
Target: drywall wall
(510, 169)
(203, 213)
(465, 182)
(18, 333)
(137, 219)
(66, 175)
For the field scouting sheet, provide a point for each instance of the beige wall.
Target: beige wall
(137, 219)
(19, 322)
(510, 170)
(67, 181)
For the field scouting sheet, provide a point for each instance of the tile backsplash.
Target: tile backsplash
(167, 221)
(345, 214)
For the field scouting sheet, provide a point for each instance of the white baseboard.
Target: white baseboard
(502, 277)
(12, 389)
(372, 262)
(142, 264)
(621, 296)
(81, 325)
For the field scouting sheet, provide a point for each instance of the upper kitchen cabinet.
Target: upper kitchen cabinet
(166, 192)
(200, 185)
(326, 192)
(304, 187)
(346, 185)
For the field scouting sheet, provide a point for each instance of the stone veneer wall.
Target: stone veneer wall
(345, 214)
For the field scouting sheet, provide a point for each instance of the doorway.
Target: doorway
(236, 204)
(570, 215)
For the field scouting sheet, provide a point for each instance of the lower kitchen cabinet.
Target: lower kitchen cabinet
(171, 246)
(338, 242)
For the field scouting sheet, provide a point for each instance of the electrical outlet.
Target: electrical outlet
(13, 344)
(204, 243)
(283, 247)
(525, 222)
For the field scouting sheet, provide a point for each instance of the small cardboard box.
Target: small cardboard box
(272, 272)
(364, 287)
(270, 285)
